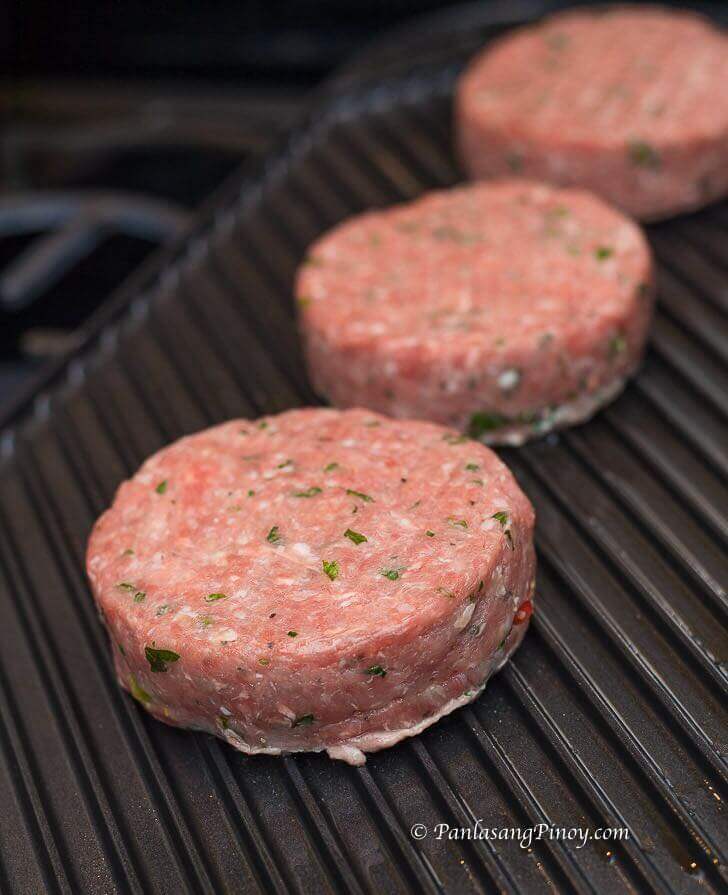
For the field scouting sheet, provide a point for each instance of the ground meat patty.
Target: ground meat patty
(631, 103)
(502, 308)
(314, 580)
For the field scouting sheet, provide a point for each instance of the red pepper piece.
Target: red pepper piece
(523, 613)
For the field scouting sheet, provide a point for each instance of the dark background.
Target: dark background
(275, 42)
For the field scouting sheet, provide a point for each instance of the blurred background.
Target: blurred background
(118, 119)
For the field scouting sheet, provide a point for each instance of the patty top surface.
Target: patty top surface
(292, 532)
(475, 265)
(646, 75)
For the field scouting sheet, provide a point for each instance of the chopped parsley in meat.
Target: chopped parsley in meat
(483, 422)
(293, 633)
(158, 658)
(273, 535)
(502, 517)
(392, 574)
(304, 720)
(376, 671)
(365, 497)
(213, 598)
(331, 568)
(354, 536)
(137, 692)
(617, 346)
(642, 153)
(330, 467)
(161, 487)
(603, 252)
(309, 492)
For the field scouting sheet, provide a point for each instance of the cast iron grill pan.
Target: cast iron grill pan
(611, 714)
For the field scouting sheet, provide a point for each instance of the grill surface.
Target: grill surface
(611, 714)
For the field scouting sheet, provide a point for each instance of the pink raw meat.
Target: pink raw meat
(504, 309)
(314, 580)
(630, 102)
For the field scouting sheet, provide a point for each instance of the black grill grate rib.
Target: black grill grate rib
(612, 713)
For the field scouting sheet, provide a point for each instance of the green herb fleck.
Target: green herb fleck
(472, 467)
(557, 40)
(263, 424)
(454, 439)
(514, 160)
(293, 633)
(430, 534)
(213, 598)
(601, 253)
(502, 517)
(161, 487)
(128, 552)
(354, 536)
(124, 585)
(121, 649)
(309, 492)
(304, 720)
(263, 661)
(484, 422)
(392, 574)
(331, 568)
(376, 670)
(545, 340)
(365, 497)
(273, 535)
(460, 523)
(251, 493)
(330, 467)
(617, 345)
(284, 464)
(206, 621)
(642, 153)
(223, 722)
(140, 596)
(137, 692)
(158, 658)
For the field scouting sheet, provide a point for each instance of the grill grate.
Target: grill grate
(611, 714)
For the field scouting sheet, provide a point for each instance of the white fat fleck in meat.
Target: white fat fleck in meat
(300, 548)
(227, 636)
(509, 379)
(464, 616)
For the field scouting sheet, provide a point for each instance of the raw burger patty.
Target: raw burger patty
(315, 580)
(503, 308)
(631, 103)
